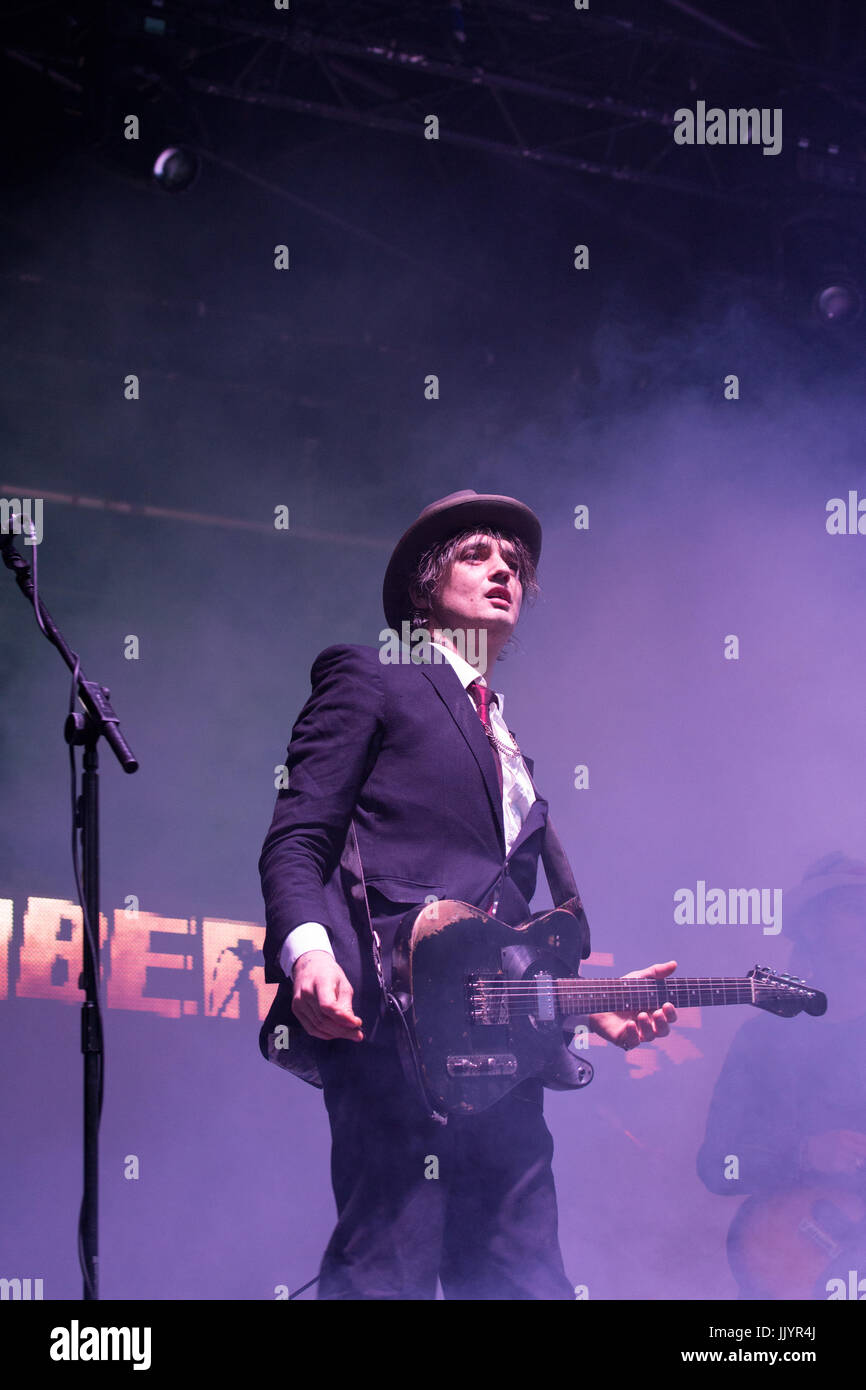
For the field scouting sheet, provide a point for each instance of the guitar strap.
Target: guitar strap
(557, 869)
(560, 879)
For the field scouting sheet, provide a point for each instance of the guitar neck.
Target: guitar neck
(616, 996)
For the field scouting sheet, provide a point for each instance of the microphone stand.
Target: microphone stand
(97, 721)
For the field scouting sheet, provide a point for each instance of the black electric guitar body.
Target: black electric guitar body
(485, 1006)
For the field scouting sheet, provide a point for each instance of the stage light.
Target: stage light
(840, 303)
(175, 168)
(820, 268)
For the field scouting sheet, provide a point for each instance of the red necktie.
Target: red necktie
(483, 697)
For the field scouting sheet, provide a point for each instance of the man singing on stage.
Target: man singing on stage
(417, 757)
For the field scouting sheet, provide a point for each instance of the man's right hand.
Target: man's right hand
(322, 1000)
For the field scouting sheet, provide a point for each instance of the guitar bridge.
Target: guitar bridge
(486, 1001)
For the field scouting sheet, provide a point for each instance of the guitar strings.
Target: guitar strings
(600, 986)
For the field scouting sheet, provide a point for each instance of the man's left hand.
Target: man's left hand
(630, 1029)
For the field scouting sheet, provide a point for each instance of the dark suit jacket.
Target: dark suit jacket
(400, 748)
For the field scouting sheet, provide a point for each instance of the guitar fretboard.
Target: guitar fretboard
(570, 996)
(602, 996)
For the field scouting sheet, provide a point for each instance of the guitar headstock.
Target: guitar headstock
(785, 995)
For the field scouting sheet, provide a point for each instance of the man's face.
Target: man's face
(480, 588)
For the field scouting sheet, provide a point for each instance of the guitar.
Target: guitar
(786, 1244)
(483, 1004)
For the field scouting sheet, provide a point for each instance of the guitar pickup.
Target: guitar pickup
(482, 1064)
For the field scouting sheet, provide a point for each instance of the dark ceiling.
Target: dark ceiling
(581, 99)
(589, 92)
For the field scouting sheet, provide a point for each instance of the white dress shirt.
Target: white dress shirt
(517, 797)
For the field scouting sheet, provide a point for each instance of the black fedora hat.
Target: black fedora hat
(456, 512)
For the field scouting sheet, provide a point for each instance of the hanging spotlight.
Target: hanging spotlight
(840, 303)
(821, 268)
(175, 168)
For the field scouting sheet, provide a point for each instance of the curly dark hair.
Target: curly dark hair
(434, 563)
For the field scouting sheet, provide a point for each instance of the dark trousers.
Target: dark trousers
(472, 1201)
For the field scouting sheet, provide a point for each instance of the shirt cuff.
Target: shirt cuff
(309, 936)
